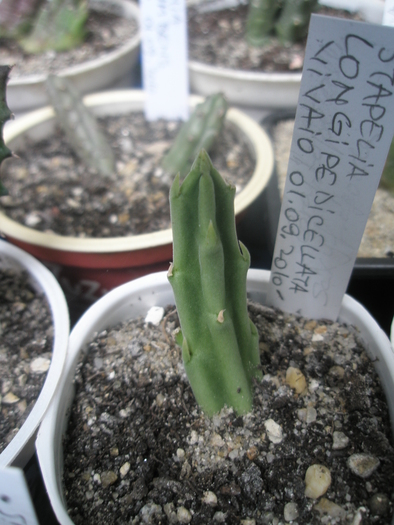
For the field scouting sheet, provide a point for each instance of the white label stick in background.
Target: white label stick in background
(164, 58)
(16, 507)
(343, 130)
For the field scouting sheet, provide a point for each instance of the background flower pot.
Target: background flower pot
(135, 298)
(113, 69)
(89, 267)
(21, 448)
(260, 89)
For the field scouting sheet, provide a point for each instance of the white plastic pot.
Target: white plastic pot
(21, 448)
(135, 298)
(112, 69)
(266, 90)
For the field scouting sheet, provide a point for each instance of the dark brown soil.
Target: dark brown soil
(51, 190)
(26, 339)
(218, 38)
(105, 32)
(138, 449)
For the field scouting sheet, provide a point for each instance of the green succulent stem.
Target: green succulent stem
(199, 132)
(219, 342)
(5, 115)
(287, 20)
(80, 126)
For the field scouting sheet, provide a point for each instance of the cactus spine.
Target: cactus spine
(288, 20)
(208, 275)
(5, 114)
(199, 132)
(80, 126)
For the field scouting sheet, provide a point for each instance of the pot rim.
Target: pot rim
(21, 448)
(130, 10)
(130, 299)
(258, 139)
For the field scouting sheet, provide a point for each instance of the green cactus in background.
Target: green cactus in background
(5, 114)
(80, 126)
(288, 20)
(220, 345)
(42, 25)
(199, 132)
(387, 179)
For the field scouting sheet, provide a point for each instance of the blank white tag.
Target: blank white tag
(16, 507)
(343, 130)
(164, 59)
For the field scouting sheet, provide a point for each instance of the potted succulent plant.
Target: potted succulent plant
(254, 88)
(88, 267)
(52, 31)
(227, 364)
(29, 293)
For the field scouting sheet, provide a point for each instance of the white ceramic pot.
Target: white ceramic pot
(89, 267)
(21, 448)
(266, 90)
(135, 298)
(112, 69)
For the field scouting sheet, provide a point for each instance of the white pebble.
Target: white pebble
(10, 399)
(39, 365)
(363, 465)
(274, 431)
(307, 415)
(183, 515)
(248, 522)
(317, 481)
(155, 315)
(290, 512)
(209, 498)
(124, 469)
(295, 379)
(326, 507)
(220, 517)
(339, 440)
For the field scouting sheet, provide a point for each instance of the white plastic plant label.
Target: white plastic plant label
(388, 14)
(16, 507)
(164, 59)
(343, 130)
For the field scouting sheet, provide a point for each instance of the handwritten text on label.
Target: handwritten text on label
(343, 129)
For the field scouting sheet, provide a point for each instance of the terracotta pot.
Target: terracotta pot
(21, 448)
(89, 267)
(112, 69)
(135, 298)
(259, 89)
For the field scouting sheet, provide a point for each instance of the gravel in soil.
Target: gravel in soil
(105, 32)
(26, 338)
(378, 238)
(138, 449)
(218, 38)
(52, 191)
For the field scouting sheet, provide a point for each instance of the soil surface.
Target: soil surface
(52, 191)
(218, 38)
(26, 341)
(138, 449)
(378, 238)
(105, 32)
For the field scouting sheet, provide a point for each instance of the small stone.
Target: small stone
(379, 504)
(329, 508)
(274, 431)
(10, 399)
(180, 454)
(39, 365)
(295, 379)
(252, 453)
(150, 512)
(248, 522)
(339, 440)
(183, 515)
(114, 452)
(209, 498)
(307, 415)
(220, 517)
(124, 469)
(317, 481)
(155, 315)
(170, 513)
(160, 400)
(22, 405)
(108, 478)
(290, 512)
(363, 465)
(217, 440)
